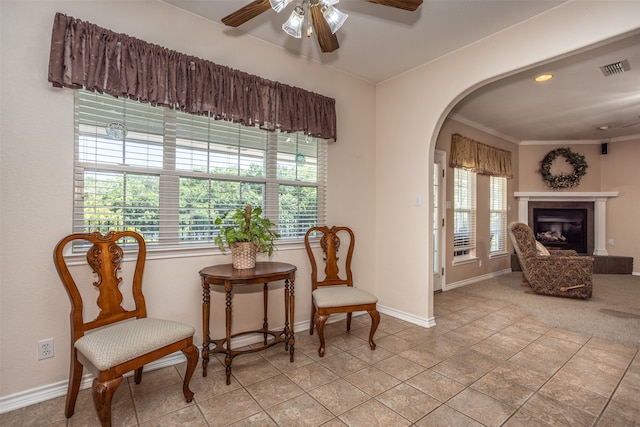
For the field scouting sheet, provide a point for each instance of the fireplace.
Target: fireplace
(561, 228)
(594, 202)
(563, 225)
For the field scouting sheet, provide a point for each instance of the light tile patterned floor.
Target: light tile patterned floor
(485, 363)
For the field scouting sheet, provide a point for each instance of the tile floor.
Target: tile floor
(486, 363)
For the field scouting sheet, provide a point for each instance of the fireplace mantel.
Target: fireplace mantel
(599, 200)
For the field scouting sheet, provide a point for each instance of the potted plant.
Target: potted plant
(245, 231)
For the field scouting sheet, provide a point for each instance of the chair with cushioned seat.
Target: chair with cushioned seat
(556, 272)
(118, 340)
(336, 293)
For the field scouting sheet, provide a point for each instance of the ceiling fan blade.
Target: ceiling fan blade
(400, 4)
(632, 124)
(246, 13)
(328, 42)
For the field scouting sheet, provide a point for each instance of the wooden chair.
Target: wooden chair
(118, 340)
(335, 293)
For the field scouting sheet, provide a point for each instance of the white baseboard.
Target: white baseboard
(471, 280)
(420, 321)
(57, 389)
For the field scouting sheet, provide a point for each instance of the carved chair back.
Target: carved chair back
(105, 258)
(330, 244)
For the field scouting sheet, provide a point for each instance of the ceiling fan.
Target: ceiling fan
(325, 19)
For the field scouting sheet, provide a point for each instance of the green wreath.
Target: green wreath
(563, 180)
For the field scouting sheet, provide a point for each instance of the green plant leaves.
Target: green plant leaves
(246, 225)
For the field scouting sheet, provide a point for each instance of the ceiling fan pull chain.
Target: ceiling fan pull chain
(309, 26)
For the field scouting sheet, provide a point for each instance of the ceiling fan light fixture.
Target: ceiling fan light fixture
(309, 28)
(293, 26)
(323, 18)
(333, 16)
(278, 5)
(543, 78)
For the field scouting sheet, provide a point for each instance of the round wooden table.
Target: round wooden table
(228, 277)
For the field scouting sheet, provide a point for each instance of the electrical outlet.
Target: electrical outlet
(45, 349)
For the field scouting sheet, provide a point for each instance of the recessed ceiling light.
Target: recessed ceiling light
(605, 127)
(543, 78)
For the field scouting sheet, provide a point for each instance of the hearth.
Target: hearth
(561, 228)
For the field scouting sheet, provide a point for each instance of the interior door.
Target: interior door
(438, 219)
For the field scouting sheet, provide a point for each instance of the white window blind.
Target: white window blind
(498, 215)
(169, 174)
(464, 213)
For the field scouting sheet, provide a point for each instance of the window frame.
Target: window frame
(169, 176)
(464, 196)
(498, 207)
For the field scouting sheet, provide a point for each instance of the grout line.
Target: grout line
(606, 405)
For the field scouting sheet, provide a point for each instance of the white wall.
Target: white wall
(372, 187)
(411, 108)
(37, 165)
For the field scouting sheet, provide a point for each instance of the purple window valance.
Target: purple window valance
(84, 55)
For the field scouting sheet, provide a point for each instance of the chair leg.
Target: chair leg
(137, 375)
(75, 378)
(103, 392)
(192, 356)
(375, 320)
(313, 318)
(348, 321)
(320, 321)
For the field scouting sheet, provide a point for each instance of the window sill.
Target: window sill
(500, 254)
(174, 253)
(464, 260)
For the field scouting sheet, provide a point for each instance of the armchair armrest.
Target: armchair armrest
(563, 252)
(568, 276)
(562, 270)
(541, 261)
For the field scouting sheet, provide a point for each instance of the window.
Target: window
(464, 213)
(168, 174)
(498, 215)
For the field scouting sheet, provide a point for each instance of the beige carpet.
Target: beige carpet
(612, 313)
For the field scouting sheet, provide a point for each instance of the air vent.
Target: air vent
(615, 68)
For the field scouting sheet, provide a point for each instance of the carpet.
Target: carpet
(612, 313)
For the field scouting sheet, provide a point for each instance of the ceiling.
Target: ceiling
(572, 106)
(379, 42)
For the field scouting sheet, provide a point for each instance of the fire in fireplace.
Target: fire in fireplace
(561, 228)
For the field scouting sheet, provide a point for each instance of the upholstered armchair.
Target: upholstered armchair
(555, 272)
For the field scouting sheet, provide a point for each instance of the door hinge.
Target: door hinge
(442, 271)
(443, 222)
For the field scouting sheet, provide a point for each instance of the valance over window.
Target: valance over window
(84, 55)
(479, 158)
